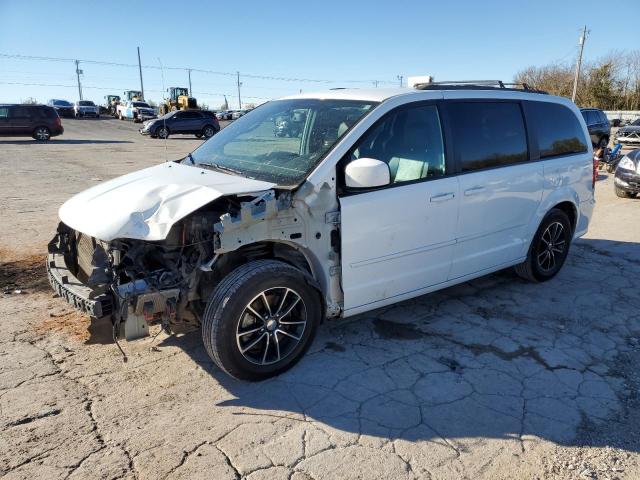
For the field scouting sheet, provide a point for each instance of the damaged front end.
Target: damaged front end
(134, 282)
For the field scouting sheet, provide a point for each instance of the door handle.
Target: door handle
(474, 191)
(442, 197)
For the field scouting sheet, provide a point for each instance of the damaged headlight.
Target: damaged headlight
(627, 164)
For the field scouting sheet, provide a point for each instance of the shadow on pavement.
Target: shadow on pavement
(61, 141)
(492, 358)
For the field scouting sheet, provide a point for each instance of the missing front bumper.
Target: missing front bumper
(82, 297)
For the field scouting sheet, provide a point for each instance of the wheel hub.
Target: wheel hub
(272, 324)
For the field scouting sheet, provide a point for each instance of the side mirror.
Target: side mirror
(366, 173)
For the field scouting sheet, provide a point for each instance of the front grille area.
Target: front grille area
(85, 246)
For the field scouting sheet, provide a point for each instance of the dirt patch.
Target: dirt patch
(22, 273)
(71, 323)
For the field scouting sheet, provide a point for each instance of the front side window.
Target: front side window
(557, 129)
(281, 141)
(487, 134)
(409, 141)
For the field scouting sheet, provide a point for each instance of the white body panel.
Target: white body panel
(397, 240)
(496, 207)
(145, 204)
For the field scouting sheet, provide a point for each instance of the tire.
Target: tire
(243, 337)
(623, 193)
(199, 135)
(42, 134)
(162, 132)
(549, 248)
(208, 131)
(610, 168)
(604, 141)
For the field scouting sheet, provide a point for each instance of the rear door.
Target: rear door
(398, 240)
(5, 128)
(500, 189)
(20, 120)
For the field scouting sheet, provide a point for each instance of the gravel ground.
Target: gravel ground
(495, 378)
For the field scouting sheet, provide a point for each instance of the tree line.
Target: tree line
(609, 83)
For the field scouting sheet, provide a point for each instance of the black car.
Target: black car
(38, 121)
(627, 178)
(629, 134)
(598, 126)
(200, 123)
(64, 108)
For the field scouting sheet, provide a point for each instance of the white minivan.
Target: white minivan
(379, 196)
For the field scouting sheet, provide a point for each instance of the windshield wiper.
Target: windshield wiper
(222, 168)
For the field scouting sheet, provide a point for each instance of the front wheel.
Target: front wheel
(162, 132)
(549, 248)
(261, 319)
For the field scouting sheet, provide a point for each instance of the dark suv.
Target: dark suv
(64, 108)
(38, 121)
(200, 123)
(598, 125)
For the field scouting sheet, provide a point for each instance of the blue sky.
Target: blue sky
(349, 43)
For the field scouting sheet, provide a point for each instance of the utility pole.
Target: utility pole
(190, 91)
(375, 83)
(583, 37)
(78, 72)
(140, 70)
(239, 85)
(400, 77)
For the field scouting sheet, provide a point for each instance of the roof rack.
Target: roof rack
(476, 85)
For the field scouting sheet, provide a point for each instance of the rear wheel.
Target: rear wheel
(260, 319)
(41, 134)
(208, 131)
(623, 193)
(549, 248)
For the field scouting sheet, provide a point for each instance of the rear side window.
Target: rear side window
(4, 112)
(487, 134)
(557, 129)
(20, 112)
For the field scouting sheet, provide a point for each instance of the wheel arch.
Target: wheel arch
(288, 252)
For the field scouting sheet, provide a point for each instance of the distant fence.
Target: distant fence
(622, 114)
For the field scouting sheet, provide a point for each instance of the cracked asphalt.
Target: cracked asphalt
(495, 378)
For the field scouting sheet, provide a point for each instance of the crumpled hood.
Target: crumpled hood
(145, 204)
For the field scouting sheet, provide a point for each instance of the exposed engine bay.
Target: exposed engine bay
(139, 283)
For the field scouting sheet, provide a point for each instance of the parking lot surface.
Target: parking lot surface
(495, 378)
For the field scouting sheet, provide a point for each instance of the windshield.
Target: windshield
(85, 103)
(141, 104)
(281, 141)
(636, 122)
(61, 103)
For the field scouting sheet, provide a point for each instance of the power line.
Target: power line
(95, 87)
(211, 72)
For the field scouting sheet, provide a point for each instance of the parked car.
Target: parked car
(598, 125)
(135, 110)
(386, 195)
(629, 134)
(236, 114)
(86, 108)
(63, 107)
(627, 177)
(224, 114)
(200, 123)
(38, 121)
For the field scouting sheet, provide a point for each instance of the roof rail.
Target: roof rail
(476, 85)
